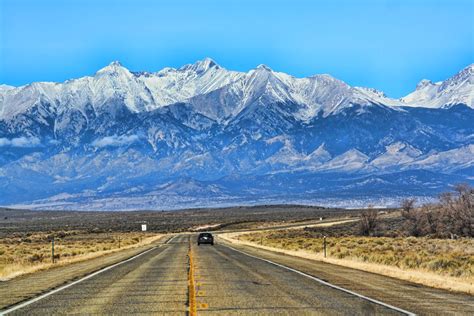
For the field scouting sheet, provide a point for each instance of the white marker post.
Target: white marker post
(143, 227)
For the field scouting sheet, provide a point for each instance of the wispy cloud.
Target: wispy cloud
(115, 140)
(22, 142)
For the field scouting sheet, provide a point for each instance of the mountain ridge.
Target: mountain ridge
(152, 90)
(120, 134)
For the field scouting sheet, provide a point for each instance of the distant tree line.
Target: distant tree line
(451, 217)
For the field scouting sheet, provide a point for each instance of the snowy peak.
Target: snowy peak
(208, 63)
(262, 86)
(263, 67)
(113, 68)
(459, 89)
(423, 84)
(260, 77)
(201, 66)
(220, 93)
(115, 64)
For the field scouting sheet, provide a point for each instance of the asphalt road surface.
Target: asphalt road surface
(226, 282)
(153, 283)
(229, 282)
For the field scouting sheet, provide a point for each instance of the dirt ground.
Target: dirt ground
(26, 221)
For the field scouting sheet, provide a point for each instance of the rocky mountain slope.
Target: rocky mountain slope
(203, 135)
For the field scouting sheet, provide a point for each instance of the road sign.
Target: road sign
(143, 227)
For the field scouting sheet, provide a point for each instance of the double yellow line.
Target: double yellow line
(191, 283)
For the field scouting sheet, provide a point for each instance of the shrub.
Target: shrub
(451, 217)
(368, 222)
(37, 257)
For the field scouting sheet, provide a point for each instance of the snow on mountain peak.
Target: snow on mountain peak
(231, 91)
(459, 89)
(373, 91)
(327, 78)
(201, 66)
(423, 83)
(113, 68)
(263, 67)
(115, 63)
(208, 62)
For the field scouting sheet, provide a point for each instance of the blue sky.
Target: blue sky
(388, 45)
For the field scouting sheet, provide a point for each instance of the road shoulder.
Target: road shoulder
(400, 293)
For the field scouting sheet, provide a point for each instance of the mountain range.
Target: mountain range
(202, 135)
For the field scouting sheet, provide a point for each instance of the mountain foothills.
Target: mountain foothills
(202, 135)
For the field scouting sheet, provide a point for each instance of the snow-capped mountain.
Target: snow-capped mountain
(140, 91)
(458, 89)
(205, 135)
(234, 91)
(319, 93)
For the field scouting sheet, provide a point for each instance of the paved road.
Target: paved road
(227, 282)
(153, 283)
(419, 299)
(231, 283)
(31, 285)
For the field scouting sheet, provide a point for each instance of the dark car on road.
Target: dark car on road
(205, 238)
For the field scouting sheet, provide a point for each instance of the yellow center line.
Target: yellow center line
(191, 285)
(203, 305)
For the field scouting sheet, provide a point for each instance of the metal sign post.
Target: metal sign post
(324, 246)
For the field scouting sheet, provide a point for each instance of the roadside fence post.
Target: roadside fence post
(52, 249)
(324, 246)
(119, 241)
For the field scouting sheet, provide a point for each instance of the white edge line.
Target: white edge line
(33, 300)
(326, 283)
(171, 239)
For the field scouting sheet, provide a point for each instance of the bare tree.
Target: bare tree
(408, 205)
(414, 218)
(430, 219)
(453, 216)
(463, 217)
(368, 222)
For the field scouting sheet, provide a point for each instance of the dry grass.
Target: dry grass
(26, 253)
(443, 256)
(441, 263)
